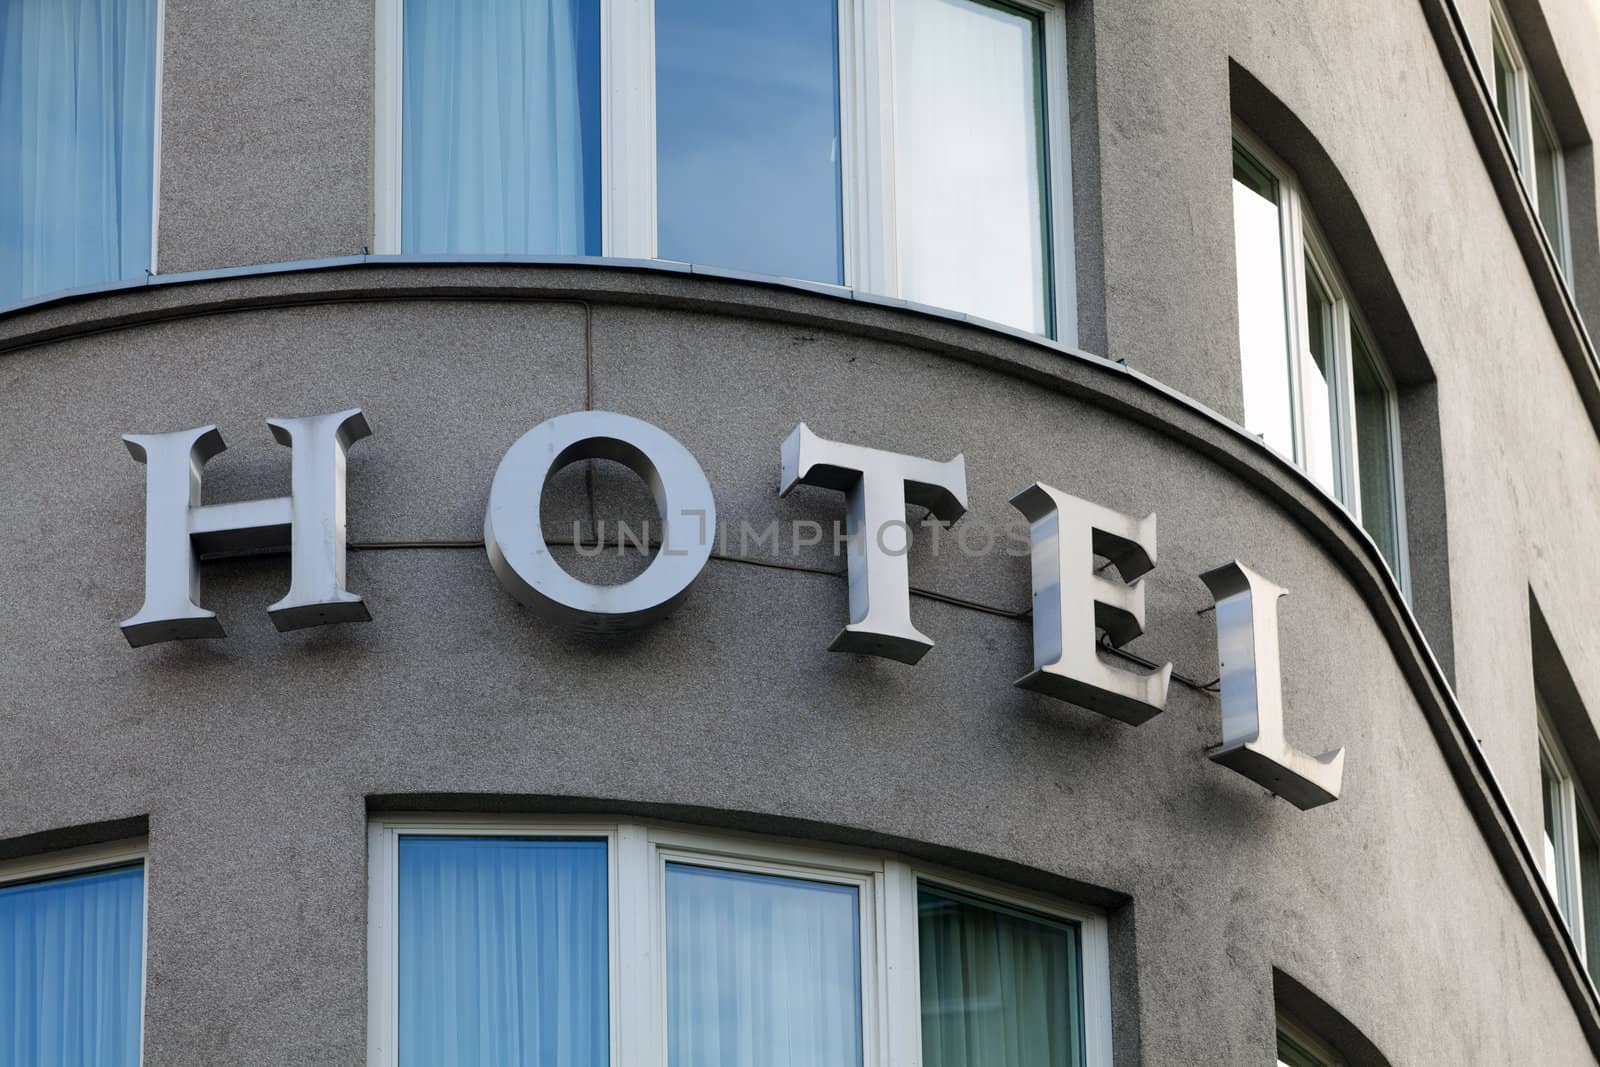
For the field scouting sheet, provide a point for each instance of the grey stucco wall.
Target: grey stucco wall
(254, 758)
(266, 131)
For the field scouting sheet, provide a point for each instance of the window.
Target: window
(916, 149)
(1299, 1047)
(72, 958)
(77, 117)
(998, 984)
(537, 985)
(1315, 387)
(971, 168)
(1534, 144)
(579, 943)
(758, 962)
(747, 136)
(1570, 845)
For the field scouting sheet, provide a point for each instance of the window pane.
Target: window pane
(77, 122)
(1589, 886)
(1000, 988)
(761, 970)
(1555, 835)
(1263, 321)
(747, 136)
(1546, 162)
(1321, 459)
(71, 967)
(969, 160)
(504, 953)
(1374, 418)
(500, 127)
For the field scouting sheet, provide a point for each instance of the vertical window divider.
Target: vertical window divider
(639, 986)
(144, 909)
(383, 965)
(1062, 258)
(902, 1009)
(628, 129)
(874, 1013)
(1095, 951)
(1345, 358)
(155, 160)
(1294, 265)
(389, 70)
(866, 135)
(850, 19)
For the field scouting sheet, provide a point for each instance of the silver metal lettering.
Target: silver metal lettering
(1071, 602)
(310, 522)
(1253, 741)
(877, 486)
(515, 540)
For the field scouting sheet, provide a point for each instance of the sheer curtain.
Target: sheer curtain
(999, 988)
(761, 971)
(77, 142)
(500, 127)
(70, 982)
(503, 953)
(969, 166)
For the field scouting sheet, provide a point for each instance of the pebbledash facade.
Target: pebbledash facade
(799, 533)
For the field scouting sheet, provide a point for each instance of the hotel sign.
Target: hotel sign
(1073, 602)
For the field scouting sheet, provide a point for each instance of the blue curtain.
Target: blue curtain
(504, 958)
(71, 961)
(500, 127)
(77, 142)
(1000, 988)
(761, 971)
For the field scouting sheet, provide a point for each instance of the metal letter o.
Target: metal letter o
(515, 540)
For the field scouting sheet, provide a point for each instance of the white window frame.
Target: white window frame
(1528, 110)
(637, 855)
(155, 152)
(628, 221)
(1301, 240)
(1567, 877)
(88, 859)
(155, 134)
